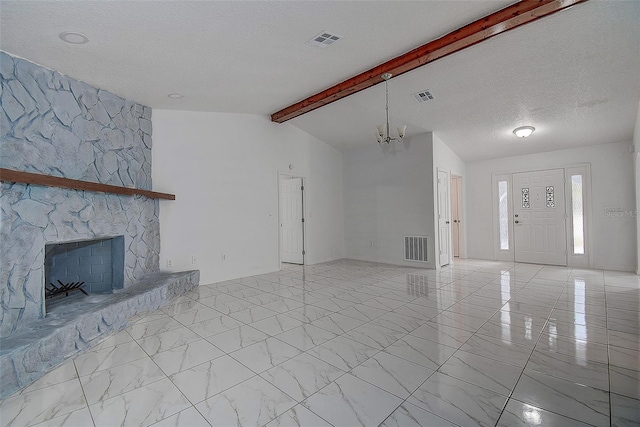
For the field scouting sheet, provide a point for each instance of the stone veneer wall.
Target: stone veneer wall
(56, 125)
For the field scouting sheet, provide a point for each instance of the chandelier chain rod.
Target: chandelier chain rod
(384, 134)
(386, 88)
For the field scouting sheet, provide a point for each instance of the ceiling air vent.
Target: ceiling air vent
(423, 96)
(324, 40)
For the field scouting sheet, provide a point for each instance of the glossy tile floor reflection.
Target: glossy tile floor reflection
(351, 343)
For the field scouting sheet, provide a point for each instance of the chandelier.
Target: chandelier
(384, 133)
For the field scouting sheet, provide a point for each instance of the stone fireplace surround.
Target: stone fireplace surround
(55, 125)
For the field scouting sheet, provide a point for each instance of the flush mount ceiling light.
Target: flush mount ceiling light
(175, 95)
(523, 131)
(74, 38)
(384, 133)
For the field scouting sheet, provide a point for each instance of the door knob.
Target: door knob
(516, 215)
(517, 222)
(447, 222)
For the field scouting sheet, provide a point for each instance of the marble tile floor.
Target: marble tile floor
(350, 343)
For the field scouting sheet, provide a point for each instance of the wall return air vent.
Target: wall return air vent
(423, 96)
(324, 40)
(415, 248)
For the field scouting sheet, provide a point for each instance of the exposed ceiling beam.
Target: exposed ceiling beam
(499, 22)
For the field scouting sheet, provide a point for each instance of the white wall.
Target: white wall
(388, 194)
(223, 169)
(636, 164)
(612, 177)
(445, 159)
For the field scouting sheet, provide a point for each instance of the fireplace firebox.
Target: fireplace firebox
(99, 263)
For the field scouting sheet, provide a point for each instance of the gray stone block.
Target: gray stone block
(99, 113)
(33, 130)
(6, 66)
(33, 212)
(5, 123)
(67, 145)
(64, 105)
(24, 72)
(86, 155)
(112, 139)
(21, 95)
(23, 124)
(85, 94)
(121, 121)
(31, 310)
(88, 329)
(56, 82)
(16, 299)
(147, 141)
(145, 126)
(112, 103)
(10, 105)
(110, 162)
(87, 130)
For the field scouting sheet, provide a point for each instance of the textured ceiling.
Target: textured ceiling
(575, 75)
(227, 56)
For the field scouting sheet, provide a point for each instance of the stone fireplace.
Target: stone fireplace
(56, 126)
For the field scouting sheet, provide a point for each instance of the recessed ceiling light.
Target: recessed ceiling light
(74, 38)
(175, 95)
(323, 40)
(523, 131)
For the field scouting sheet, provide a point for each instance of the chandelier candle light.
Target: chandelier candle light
(384, 133)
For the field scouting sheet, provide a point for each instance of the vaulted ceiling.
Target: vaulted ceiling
(574, 75)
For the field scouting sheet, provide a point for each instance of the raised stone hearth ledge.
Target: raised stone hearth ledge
(39, 346)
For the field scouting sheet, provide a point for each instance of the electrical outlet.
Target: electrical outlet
(169, 263)
(194, 261)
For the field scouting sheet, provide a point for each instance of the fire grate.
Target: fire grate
(64, 288)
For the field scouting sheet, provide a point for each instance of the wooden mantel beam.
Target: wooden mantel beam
(499, 22)
(9, 175)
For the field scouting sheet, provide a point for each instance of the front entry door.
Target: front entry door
(539, 217)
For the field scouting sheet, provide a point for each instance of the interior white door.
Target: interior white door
(455, 214)
(539, 217)
(444, 225)
(291, 221)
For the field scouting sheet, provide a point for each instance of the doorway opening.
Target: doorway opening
(457, 232)
(444, 215)
(291, 219)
